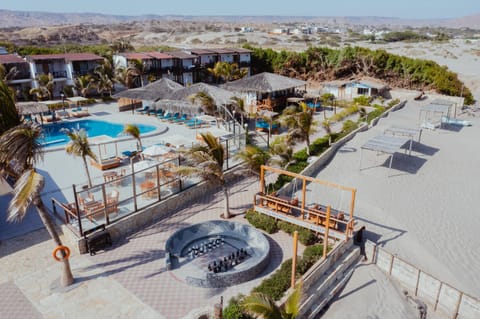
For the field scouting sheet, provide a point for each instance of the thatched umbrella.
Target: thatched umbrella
(154, 91)
(31, 107)
(177, 106)
(264, 83)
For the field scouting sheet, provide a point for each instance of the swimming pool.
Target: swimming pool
(52, 134)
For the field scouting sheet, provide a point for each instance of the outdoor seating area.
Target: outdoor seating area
(297, 210)
(106, 163)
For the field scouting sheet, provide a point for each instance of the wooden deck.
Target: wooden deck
(313, 218)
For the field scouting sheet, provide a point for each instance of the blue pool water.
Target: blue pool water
(53, 135)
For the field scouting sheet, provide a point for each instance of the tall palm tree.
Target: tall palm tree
(206, 101)
(45, 87)
(254, 157)
(300, 123)
(79, 146)
(262, 306)
(8, 113)
(137, 70)
(134, 132)
(20, 144)
(206, 161)
(238, 104)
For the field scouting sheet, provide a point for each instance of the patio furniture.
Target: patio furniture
(164, 115)
(96, 239)
(106, 163)
(145, 110)
(148, 189)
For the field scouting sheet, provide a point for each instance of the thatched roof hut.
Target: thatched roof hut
(31, 107)
(264, 83)
(160, 89)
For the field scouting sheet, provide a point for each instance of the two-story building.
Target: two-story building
(184, 67)
(64, 68)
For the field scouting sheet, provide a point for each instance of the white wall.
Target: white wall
(226, 58)
(245, 57)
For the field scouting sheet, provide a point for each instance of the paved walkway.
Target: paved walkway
(127, 281)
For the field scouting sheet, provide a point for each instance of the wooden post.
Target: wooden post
(134, 189)
(325, 239)
(457, 308)
(77, 208)
(262, 179)
(352, 203)
(105, 204)
(294, 258)
(391, 265)
(418, 280)
(438, 296)
(304, 191)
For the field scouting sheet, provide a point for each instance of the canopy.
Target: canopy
(178, 141)
(31, 107)
(160, 89)
(142, 165)
(177, 106)
(386, 144)
(156, 150)
(264, 83)
(220, 96)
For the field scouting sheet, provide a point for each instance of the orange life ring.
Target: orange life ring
(65, 249)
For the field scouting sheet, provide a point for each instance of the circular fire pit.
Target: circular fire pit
(216, 254)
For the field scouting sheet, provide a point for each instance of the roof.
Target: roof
(136, 56)
(202, 51)
(242, 50)
(335, 83)
(385, 143)
(182, 55)
(66, 56)
(264, 82)
(225, 51)
(160, 89)
(31, 107)
(371, 82)
(442, 102)
(219, 95)
(159, 55)
(11, 58)
(437, 108)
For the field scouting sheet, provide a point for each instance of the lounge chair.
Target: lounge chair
(171, 117)
(164, 115)
(145, 110)
(106, 163)
(195, 123)
(181, 119)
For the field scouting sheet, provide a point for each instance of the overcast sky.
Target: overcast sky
(416, 9)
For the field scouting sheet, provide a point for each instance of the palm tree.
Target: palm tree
(79, 146)
(238, 104)
(206, 161)
(254, 157)
(45, 87)
(134, 132)
(6, 75)
(136, 70)
(83, 84)
(300, 123)
(262, 306)
(8, 113)
(282, 152)
(105, 77)
(20, 144)
(328, 129)
(206, 101)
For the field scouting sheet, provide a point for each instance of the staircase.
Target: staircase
(319, 293)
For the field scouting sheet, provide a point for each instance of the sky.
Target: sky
(408, 9)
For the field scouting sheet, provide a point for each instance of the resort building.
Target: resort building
(348, 90)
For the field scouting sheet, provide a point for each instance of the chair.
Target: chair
(164, 115)
(171, 117)
(112, 202)
(180, 120)
(145, 110)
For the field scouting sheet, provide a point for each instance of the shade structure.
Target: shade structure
(177, 106)
(264, 83)
(386, 144)
(160, 89)
(220, 96)
(156, 150)
(178, 141)
(31, 107)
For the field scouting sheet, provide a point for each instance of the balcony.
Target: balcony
(24, 75)
(59, 74)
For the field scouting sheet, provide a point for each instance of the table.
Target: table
(148, 189)
(404, 131)
(110, 176)
(386, 144)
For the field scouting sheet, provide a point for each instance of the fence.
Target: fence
(443, 297)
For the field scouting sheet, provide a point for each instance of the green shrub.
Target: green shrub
(305, 236)
(363, 100)
(276, 285)
(374, 114)
(262, 221)
(234, 309)
(349, 126)
(393, 103)
(301, 155)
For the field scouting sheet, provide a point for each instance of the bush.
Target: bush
(363, 100)
(276, 285)
(349, 126)
(261, 221)
(393, 103)
(305, 236)
(374, 114)
(234, 310)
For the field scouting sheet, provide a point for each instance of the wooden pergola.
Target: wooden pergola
(319, 218)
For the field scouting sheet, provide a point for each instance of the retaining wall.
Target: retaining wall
(441, 297)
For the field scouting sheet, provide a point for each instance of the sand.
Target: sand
(424, 209)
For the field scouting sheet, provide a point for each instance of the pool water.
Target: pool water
(52, 134)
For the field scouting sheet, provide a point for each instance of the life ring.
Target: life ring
(65, 249)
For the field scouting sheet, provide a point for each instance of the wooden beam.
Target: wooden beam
(304, 195)
(325, 238)
(294, 258)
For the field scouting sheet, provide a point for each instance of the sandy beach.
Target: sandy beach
(423, 209)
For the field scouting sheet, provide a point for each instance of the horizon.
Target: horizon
(440, 9)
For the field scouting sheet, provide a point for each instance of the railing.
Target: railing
(337, 221)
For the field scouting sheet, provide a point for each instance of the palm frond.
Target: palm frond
(292, 305)
(20, 144)
(26, 189)
(262, 306)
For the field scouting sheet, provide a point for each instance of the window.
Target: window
(362, 91)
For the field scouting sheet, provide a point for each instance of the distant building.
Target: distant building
(348, 90)
(246, 29)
